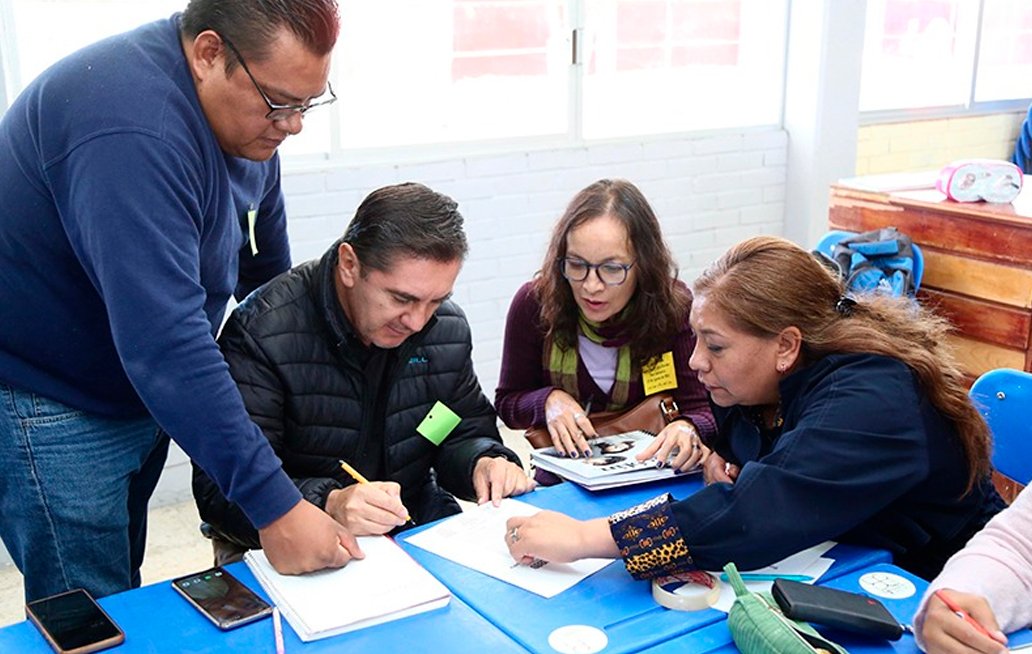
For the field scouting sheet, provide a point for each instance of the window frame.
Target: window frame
(969, 109)
(337, 152)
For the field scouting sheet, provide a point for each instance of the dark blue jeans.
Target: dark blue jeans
(74, 489)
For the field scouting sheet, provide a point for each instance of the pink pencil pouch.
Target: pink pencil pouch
(978, 180)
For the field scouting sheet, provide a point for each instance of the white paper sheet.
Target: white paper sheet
(476, 539)
(808, 562)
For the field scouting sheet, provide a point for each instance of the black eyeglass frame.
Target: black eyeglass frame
(588, 267)
(278, 111)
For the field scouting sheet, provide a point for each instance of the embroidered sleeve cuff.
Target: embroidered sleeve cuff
(649, 539)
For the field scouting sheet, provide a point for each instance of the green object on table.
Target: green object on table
(758, 626)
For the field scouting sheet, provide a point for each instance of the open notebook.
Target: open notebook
(386, 585)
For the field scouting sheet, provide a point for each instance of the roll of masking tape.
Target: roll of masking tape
(688, 591)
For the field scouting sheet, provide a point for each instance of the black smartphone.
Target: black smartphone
(73, 623)
(221, 598)
(832, 607)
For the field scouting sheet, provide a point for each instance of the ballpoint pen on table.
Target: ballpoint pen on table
(277, 630)
(360, 478)
(764, 576)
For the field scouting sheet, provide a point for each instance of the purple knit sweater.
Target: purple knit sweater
(524, 383)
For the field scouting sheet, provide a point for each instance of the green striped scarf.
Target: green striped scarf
(562, 366)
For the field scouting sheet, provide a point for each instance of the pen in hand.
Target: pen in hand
(961, 613)
(360, 478)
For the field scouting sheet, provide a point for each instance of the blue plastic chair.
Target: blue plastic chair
(827, 246)
(1003, 396)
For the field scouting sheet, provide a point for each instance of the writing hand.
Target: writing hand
(552, 536)
(368, 509)
(495, 477)
(567, 424)
(946, 632)
(305, 539)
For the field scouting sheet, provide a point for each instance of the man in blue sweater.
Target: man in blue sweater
(140, 188)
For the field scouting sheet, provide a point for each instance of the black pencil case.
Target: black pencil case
(840, 609)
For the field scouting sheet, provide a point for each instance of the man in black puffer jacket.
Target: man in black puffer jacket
(361, 357)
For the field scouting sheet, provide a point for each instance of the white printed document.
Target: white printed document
(386, 585)
(476, 539)
(807, 563)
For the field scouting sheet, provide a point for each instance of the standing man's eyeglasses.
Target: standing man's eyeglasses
(282, 111)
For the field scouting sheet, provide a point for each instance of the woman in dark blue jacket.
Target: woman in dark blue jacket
(839, 418)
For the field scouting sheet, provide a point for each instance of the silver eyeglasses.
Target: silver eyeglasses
(281, 111)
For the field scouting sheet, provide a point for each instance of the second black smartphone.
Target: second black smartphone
(836, 608)
(221, 598)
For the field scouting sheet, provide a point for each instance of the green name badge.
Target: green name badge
(438, 423)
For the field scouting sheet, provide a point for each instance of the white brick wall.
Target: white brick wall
(709, 192)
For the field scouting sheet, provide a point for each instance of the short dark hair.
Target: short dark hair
(660, 305)
(251, 25)
(406, 219)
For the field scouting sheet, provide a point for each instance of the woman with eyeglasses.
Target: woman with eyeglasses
(600, 327)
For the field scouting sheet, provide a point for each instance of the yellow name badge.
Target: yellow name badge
(660, 375)
(438, 423)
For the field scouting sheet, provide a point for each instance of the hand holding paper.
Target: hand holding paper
(497, 477)
(305, 539)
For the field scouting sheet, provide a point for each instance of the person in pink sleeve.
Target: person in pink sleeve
(990, 579)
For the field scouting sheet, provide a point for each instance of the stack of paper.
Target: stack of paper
(476, 539)
(612, 462)
(386, 585)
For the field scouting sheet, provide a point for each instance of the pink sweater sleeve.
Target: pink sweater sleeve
(996, 564)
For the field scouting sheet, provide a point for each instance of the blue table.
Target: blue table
(716, 639)
(156, 620)
(484, 614)
(610, 600)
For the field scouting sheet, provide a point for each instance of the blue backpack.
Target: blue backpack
(879, 261)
